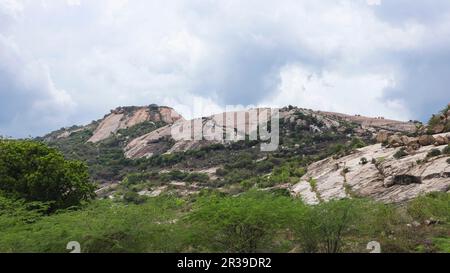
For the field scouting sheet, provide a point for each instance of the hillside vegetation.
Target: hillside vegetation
(220, 197)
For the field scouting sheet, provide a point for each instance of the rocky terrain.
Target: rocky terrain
(121, 118)
(338, 152)
(152, 143)
(380, 172)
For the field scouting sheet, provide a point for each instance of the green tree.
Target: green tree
(34, 172)
(244, 224)
(435, 205)
(322, 228)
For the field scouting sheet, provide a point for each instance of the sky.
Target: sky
(66, 62)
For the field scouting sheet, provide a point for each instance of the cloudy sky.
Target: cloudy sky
(66, 62)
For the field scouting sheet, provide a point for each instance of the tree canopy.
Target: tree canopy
(35, 172)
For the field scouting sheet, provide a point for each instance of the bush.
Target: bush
(322, 228)
(221, 172)
(434, 205)
(264, 166)
(133, 197)
(446, 150)
(134, 179)
(433, 153)
(197, 177)
(101, 227)
(363, 161)
(357, 143)
(400, 153)
(244, 224)
(34, 172)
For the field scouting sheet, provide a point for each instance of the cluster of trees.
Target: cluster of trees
(46, 201)
(211, 222)
(33, 172)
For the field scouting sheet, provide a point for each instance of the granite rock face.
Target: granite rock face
(383, 177)
(238, 123)
(122, 118)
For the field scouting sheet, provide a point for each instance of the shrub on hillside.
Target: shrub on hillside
(400, 153)
(244, 224)
(434, 205)
(322, 228)
(433, 153)
(34, 172)
(446, 150)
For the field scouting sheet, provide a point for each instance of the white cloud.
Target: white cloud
(73, 2)
(108, 53)
(338, 92)
(30, 101)
(373, 2)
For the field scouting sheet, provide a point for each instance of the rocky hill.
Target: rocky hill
(321, 155)
(121, 118)
(150, 144)
(390, 173)
(438, 123)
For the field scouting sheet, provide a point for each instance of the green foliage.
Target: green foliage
(322, 228)
(363, 161)
(244, 224)
(103, 226)
(34, 172)
(400, 153)
(313, 184)
(19, 211)
(433, 153)
(134, 179)
(138, 130)
(357, 143)
(436, 120)
(446, 150)
(339, 149)
(256, 221)
(442, 244)
(431, 206)
(105, 159)
(133, 197)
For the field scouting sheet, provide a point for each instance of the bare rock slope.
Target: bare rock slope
(382, 177)
(155, 142)
(122, 118)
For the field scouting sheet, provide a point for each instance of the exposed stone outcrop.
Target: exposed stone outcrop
(125, 117)
(149, 144)
(383, 136)
(441, 140)
(395, 141)
(426, 140)
(439, 123)
(386, 179)
(378, 123)
(213, 128)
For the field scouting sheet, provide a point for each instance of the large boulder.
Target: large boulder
(388, 179)
(406, 140)
(440, 140)
(382, 136)
(426, 140)
(395, 141)
(437, 129)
